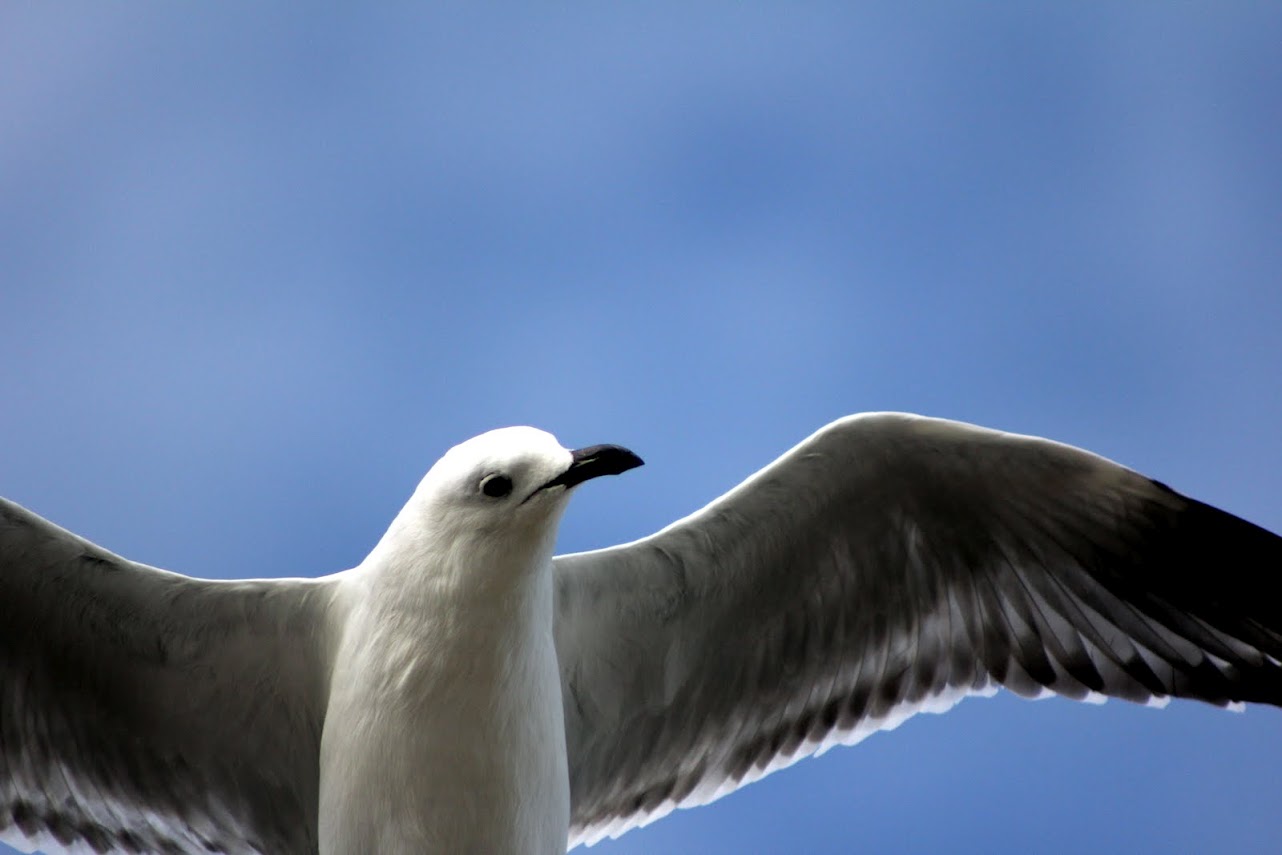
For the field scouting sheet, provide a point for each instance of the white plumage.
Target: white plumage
(462, 690)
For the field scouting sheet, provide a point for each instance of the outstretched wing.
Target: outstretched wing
(143, 711)
(887, 565)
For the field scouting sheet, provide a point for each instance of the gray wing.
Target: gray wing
(143, 711)
(887, 565)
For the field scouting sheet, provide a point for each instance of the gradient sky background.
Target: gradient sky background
(260, 266)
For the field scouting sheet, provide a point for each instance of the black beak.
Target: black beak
(594, 461)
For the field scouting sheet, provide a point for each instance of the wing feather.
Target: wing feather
(144, 711)
(887, 565)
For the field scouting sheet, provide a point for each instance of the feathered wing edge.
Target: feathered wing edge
(889, 565)
(144, 711)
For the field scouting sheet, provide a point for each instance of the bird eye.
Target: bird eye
(496, 486)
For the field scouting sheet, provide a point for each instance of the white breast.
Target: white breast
(445, 730)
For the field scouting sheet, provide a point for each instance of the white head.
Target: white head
(500, 493)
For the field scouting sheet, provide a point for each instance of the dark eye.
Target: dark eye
(496, 486)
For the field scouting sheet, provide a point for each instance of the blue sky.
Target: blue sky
(260, 266)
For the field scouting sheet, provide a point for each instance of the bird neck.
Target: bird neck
(428, 555)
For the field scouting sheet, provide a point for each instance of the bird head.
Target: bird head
(501, 493)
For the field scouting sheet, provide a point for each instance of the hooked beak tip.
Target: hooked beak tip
(595, 461)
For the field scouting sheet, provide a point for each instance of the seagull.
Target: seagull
(463, 690)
